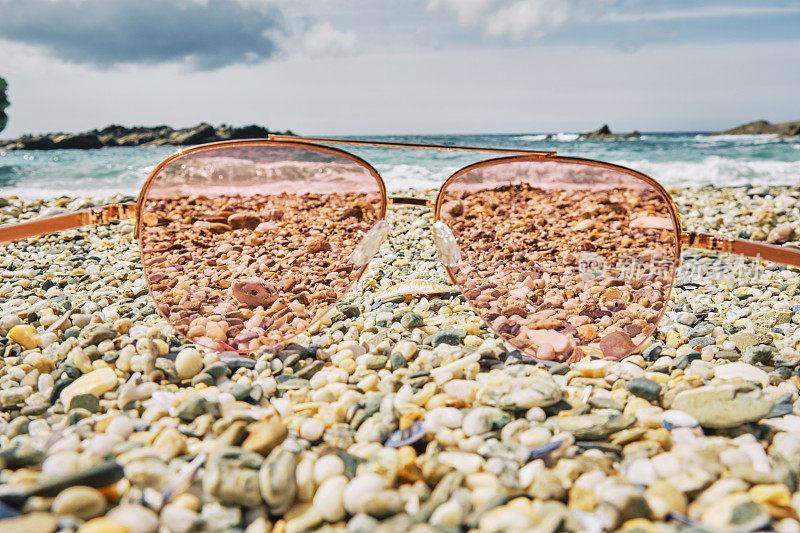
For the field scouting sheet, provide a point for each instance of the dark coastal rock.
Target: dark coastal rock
(760, 127)
(605, 133)
(116, 135)
(3, 104)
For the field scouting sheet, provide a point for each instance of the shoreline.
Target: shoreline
(485, 439)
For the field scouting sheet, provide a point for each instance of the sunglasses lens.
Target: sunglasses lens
(562, 259)
(245, 247)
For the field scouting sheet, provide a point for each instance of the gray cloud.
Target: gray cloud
(203, 34)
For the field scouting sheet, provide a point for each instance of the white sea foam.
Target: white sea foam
(540, 137)
(563, 137)
(719, 171)
(566, 137)
(400, 177)
(762, 138)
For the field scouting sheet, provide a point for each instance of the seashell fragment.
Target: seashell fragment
(415, 286)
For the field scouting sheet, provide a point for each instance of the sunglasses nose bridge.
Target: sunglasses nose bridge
(405, 200)
(445, 242)
(370, 244)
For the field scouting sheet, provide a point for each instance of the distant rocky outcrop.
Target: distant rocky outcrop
(3, 104)
(116, 135)
(760, 127)
(604, 133)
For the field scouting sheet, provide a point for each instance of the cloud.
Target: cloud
(516, 20)
(468, 12)
(203, 34)
(533, 20)
(700, 13)
(528, 19)
(322, 39)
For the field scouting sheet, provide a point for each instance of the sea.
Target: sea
(674, 159)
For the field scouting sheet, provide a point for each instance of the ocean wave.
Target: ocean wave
(563, 137)
(761, 138)
(719, 171)
(540, 137)
(566, 137)
(401, 177)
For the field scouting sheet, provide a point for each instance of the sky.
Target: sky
(358, 67)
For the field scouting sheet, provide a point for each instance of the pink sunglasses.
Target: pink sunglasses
(246, 244)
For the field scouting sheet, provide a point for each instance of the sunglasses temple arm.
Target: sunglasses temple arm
(76, 219)
(719, 243)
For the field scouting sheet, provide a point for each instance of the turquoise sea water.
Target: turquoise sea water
(689, 158)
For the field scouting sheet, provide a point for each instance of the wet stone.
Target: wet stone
(309, 370)
(349, 310)
(90, 402)
(702, 330)
(396, 360)
(412, 320)
(448, 335)
(194, 407)
(644, 388)
(97, 334)
(653, 352)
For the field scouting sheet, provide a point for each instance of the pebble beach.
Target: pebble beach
(399, 411)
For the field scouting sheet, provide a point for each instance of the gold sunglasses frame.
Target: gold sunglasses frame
(127, 211)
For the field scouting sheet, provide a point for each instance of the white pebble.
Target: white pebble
(327, 466)
(188, 363)
(312, 430)
(358, 488)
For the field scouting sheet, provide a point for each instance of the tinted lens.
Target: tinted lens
(245, 247)
(563, 259)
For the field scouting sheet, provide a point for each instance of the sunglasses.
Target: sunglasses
(247, 244)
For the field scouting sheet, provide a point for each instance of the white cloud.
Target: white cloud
(702, 13)
(516, 20)
(520, 20)
(468, 12)
(528, 19)
(322, 39)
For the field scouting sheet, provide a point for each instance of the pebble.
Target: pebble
(594, 426)
(781, 234)
(277, 480)
(82, 502)
(724, 405)
(519, 393)
(24, 335)
(645, 388)
(328, 499)
(188, 363)
(137, 518)
(312, 430)
(358, 489)
(38, 522)
(743, 371)
(264, 436)
(402, 412)
(103, 525)
(96, 382)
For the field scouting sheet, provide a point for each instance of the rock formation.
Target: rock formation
(3, 104)
(116, 135)
(604, 133)
(784, 129)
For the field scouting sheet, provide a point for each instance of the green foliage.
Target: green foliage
(3, 104)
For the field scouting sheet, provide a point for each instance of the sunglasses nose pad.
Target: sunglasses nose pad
(369, 244)
(446, 244)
